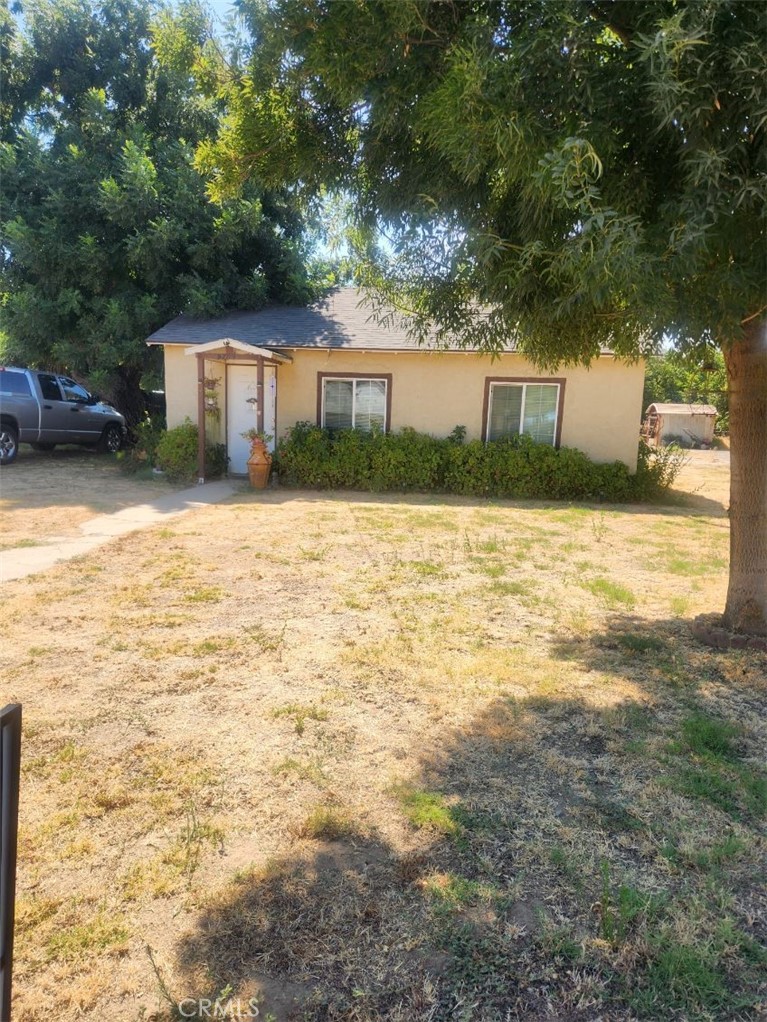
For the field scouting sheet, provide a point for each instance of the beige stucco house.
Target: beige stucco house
(333, 364)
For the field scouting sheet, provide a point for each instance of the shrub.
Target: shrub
(511, 468)
(657, 468)
(176, 455)
(142, 452)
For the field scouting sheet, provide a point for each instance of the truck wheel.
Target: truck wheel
(111, 439)
(42, 447)
(9, 444)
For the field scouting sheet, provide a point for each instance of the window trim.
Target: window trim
(559, 381)
(376, 377)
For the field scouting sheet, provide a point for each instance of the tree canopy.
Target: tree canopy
(594, 165)
(107, 229)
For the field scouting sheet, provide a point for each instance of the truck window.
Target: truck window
(73, 391)
(14, 383)
(49, 387)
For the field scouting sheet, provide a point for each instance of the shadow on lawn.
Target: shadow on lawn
(557, 868)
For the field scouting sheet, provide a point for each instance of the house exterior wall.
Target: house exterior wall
(435, 391)
(180, 385)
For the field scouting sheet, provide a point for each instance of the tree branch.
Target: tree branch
(754, 315)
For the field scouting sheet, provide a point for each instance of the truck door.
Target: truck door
(58, 423)
(87, 421)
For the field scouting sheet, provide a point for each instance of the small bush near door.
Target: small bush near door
(176, 455)
(513, 468)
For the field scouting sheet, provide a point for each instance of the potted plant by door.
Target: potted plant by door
(260, 460)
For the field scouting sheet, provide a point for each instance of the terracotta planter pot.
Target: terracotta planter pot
(259, 466)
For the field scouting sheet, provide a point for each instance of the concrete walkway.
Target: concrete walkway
(23, 561)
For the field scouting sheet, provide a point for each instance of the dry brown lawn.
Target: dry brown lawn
(396, 757)
(46, 496)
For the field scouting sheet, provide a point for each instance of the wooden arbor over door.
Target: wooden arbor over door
(259, 358)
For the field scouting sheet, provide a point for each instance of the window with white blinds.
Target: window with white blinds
(528, 408)
(354, 404)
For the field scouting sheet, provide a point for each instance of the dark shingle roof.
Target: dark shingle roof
(337, 321)
(340, 320)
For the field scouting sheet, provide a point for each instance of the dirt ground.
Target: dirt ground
(365, 757)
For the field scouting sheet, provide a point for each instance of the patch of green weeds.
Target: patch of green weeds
(523, 589)
(679, 605)
(635, 643)
(635, 717)
(493, 545)
(559, 943)
(268, 640)
(37, 651)
(305, 770)
(567, 865)
(428, 810)
(690, 567)
(300, 713)
(622, 908)
(328, 823)
(451, 891)
(184, 855)
(736, 791)
(425, 568)
(480, 966)
(681, 978)
(612, 594)
(708, 737)
(480, 821)
(721, 852)
(208, 646)
(105, 932)
(716, 773)
(316, 554)
(21, 544)
(205, 594)
(33, 912)
(493, 569)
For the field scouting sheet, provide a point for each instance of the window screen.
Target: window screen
(540, 412)
(370, 405)
(339, 404)
(354, 404)
(529, 408)
(505, 411)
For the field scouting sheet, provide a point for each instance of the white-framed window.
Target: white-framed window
(354, 403)
(516, 408)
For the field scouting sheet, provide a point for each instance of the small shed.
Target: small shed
(691, 425)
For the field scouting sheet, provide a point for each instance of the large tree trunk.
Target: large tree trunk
(127, 395)
(746, 360)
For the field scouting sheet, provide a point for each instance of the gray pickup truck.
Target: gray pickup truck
(44, 409)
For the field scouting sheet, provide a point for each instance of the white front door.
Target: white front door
(242, 411)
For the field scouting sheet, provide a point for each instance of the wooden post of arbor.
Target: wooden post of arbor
(260, 395)
(200, 419)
